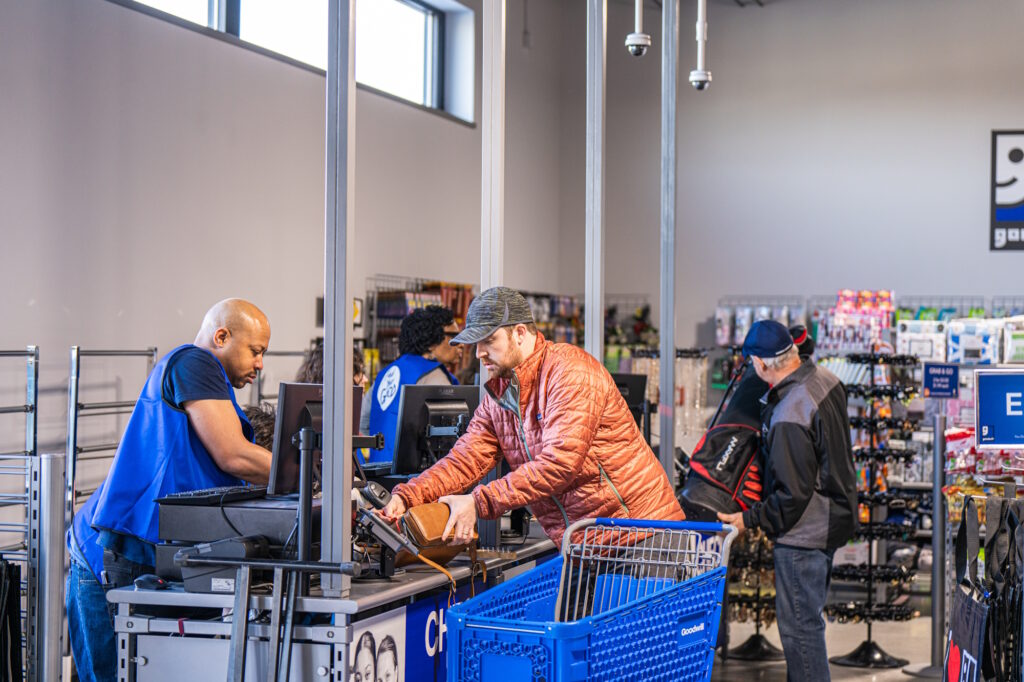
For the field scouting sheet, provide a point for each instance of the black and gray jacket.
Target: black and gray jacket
(810, 482)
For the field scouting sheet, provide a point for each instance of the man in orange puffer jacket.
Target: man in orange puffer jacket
(554, 414)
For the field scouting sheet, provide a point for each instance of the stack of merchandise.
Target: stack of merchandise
(645, 361)
(733, 322)
(691, 397)
(398, 304)
(691, 388)
(557, 317)
(856, 323)
(969, 471)
(1013, 340)
(454, 296)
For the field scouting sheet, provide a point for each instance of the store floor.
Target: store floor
(910, 640)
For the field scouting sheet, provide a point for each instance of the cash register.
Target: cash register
(430, 419)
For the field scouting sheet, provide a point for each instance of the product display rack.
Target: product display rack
(752, 556)
(558, 317)
(390, 298)
(869, 654)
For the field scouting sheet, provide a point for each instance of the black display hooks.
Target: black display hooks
(869, 654)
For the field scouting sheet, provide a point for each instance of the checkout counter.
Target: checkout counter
(163, 637)
(168, 634)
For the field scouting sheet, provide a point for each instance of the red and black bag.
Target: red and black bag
(725, 469)
(725, 473)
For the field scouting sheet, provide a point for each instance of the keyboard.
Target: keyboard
(211, 497)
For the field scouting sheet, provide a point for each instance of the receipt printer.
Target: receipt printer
(217, 579)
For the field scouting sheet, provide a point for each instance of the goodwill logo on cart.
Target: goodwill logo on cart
(691, 630)
(1007, 206)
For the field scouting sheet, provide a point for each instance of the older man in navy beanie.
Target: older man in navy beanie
(810, 502)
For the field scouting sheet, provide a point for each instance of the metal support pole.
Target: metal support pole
(492, 128)
(336, 519)
(492, 187)
(307, 445)
(240, 624)
(667, 382)
(71, 452)
(274, 642)
(32, 399)
(934, 669)
(593, 300)
(45, 568)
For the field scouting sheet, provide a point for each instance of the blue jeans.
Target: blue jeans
(802, 578)
(93, 643)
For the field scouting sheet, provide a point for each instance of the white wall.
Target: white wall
(149, 170)
(533, 177)
(840, 145)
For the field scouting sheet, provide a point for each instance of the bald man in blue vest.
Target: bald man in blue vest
(186, 432)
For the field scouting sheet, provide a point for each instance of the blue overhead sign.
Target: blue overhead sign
(999, 408)
(941, 380)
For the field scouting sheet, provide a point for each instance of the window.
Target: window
(296, 29)
(196, 11)
(421, 51)
(397, 49)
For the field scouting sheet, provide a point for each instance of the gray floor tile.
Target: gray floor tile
(910, 640)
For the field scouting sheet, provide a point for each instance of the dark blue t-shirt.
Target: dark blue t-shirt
(194, 374)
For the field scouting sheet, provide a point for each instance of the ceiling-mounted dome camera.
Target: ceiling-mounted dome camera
(637, 44)
(700, 79)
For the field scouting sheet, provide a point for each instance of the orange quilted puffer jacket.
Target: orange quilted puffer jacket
(574, 449)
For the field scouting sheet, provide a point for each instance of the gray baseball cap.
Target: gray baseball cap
(492, 309)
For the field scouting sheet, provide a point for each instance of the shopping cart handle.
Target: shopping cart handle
(700, 526)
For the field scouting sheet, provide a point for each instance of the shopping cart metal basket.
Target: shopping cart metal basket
(625, 599)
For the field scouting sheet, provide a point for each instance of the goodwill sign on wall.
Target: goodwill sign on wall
(1007, 225)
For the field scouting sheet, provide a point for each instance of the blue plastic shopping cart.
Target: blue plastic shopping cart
(626, 599)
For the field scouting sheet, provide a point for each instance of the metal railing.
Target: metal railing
(20, 464)
(78, 409)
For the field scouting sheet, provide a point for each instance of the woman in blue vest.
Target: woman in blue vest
(425, 356)
(186, 432)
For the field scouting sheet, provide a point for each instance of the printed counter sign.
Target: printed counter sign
(999, 408)
(941, 380)
(1007, 190)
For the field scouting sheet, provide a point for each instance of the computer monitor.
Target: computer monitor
(430, 420)
(633, 388)
(298, 405)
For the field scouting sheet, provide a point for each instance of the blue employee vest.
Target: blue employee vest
(407, 369)
(160, 453)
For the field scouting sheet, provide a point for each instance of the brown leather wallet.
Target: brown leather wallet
(424, 524)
